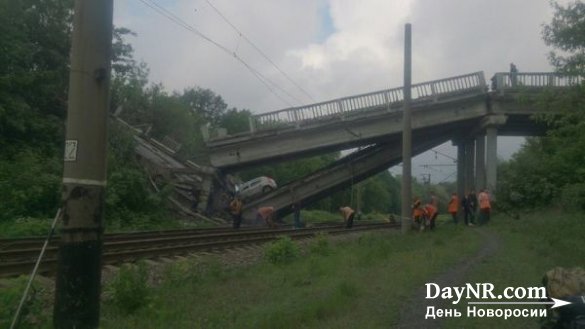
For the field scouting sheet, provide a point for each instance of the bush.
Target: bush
(130, 289)
(29, 185)
(32, 314)
(320, 244)
(573, 197)
(25, 227)
(282, 251)
(319, 216)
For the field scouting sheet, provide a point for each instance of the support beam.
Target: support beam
(479, 162)
(469, 165)
(344, 172)
(491, 159)
(460, 170)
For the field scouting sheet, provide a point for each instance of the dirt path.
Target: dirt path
(412, 314)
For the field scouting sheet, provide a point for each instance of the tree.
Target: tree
(550, 168)
(566, 32)
(33, 73)
(235, 121)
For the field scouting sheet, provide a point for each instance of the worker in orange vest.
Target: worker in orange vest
(485, 206)
(418, 213)
(266, 214)
(348, 215)
(453, 206)
(236, 211)
(431, 214)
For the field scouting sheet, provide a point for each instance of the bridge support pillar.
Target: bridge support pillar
(460, 170)
(491, 159)
(479, 162)
(469, 165)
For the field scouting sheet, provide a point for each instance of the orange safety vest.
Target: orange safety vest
(454, 204)
(236, 207)
(431, 210)
(265, 212)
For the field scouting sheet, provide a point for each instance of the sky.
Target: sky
(335, 48)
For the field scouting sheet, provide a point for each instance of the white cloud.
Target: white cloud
(363, 53)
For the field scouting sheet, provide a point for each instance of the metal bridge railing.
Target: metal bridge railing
(537, 80)
(436, 90)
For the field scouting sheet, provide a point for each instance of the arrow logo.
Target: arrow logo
(558, 303)
(555, 303)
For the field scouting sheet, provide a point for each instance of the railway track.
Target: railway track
(17, 256)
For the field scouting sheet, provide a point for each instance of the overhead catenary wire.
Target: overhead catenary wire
(270, 85)
(260, 51)
(445, 155)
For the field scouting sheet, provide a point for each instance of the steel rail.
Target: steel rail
(129, 251)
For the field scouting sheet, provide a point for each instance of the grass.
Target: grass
(354, 284)
(528, 248)
(315, 216)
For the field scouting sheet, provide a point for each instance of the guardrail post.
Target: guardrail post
(296, 117)
(434, 92)
(551, 80)
(482, 83)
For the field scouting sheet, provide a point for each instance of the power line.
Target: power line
(443, 154)
(444, 179)
(177, 20)
(260, 51)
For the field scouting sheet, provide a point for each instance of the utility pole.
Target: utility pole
(407, 132)
(77, 293)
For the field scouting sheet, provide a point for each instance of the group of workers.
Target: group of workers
(264, 214)
(267, 214)
(422, 216)
(425, 216)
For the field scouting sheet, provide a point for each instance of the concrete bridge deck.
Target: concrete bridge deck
(375, 117)
(460, 108)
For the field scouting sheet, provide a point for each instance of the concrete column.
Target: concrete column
(407, 133)
(469, 168)
(460, 169)
(491, 159)
(479, 162)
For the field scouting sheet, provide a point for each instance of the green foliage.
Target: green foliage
(320, 245)
(319, 216)
(235, 121)
(528, 248)
(572, 197)
(281, 252)
(342, 290)
(380, 193)
(289, 171)
(26, 226)
(129, 289)
(29, 185)
(566, 32)
(33, 313)
(33, 74)
(550, 169)
(130, 203)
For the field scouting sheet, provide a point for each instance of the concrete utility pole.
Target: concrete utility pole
(77, 294)
(407, 132)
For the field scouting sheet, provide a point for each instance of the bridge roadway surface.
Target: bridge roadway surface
(458, 108)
